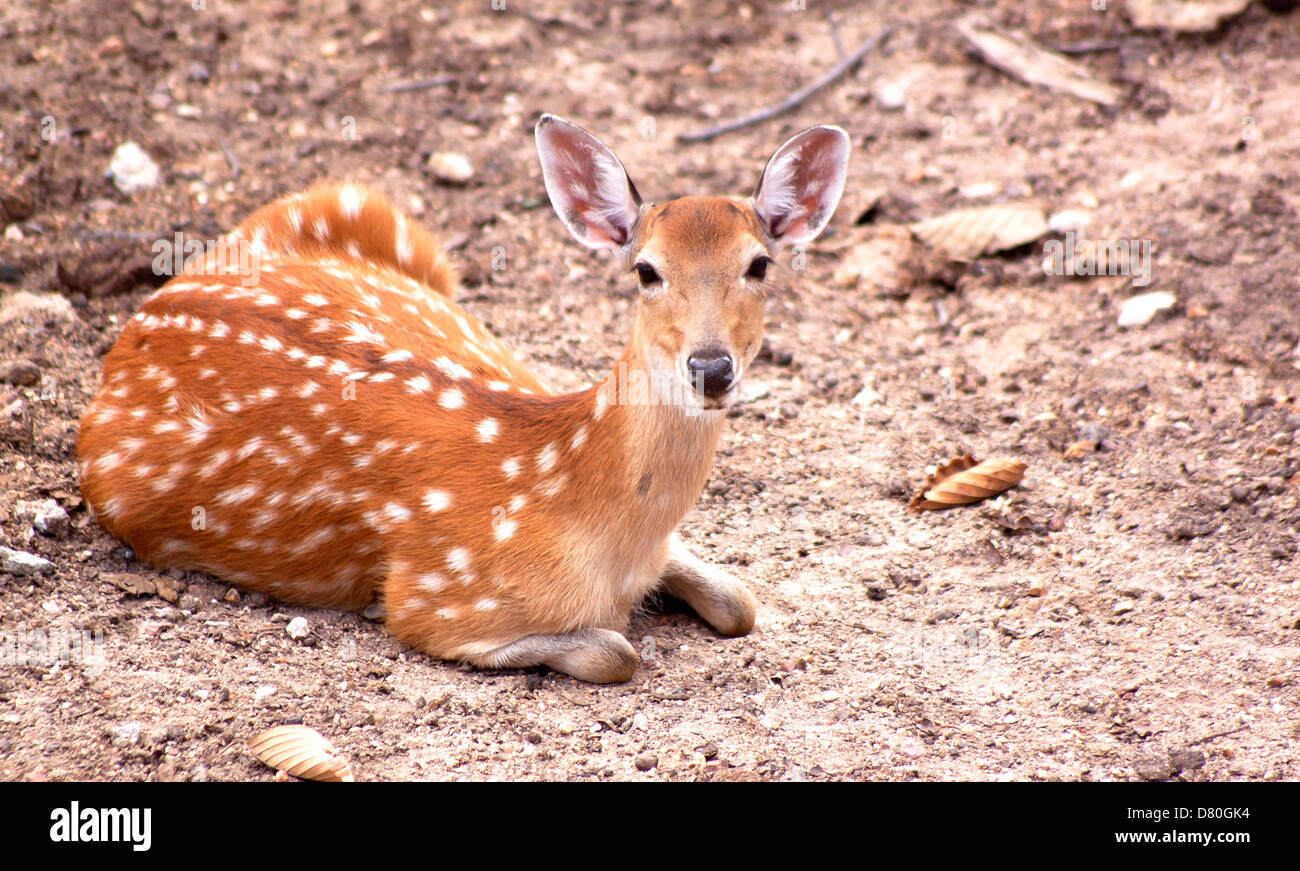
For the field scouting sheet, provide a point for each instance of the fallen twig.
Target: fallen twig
(417, 85)
(835, 34)
(830, 77)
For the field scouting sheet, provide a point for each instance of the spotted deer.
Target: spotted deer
(343, 430)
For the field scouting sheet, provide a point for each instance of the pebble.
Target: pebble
(374, 611)
(132, 170)
(125, 735)
(891, 96)
(646, 761)
(789, 411)
(23, 373)
(17, 562)
(450, 167)
(297, 628)
(1139, 310)
(45, 516)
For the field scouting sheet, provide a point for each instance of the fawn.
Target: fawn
(342, 429)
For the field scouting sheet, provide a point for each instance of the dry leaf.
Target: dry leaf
(967, 233)
(964, 480)
(1080, 449)
(301, 751)
(136, 585)
(1021, 57)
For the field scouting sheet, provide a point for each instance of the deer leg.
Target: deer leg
(714, 594)
(595, 655)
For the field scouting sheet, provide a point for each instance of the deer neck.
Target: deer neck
(649, 456)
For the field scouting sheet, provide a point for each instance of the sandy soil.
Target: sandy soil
(1127, 614)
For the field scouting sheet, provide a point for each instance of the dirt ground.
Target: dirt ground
(1130, 613)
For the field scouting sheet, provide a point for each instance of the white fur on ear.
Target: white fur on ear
(588, 187)
(802, 184)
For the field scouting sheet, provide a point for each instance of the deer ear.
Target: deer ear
(588, 187)
(801, 185)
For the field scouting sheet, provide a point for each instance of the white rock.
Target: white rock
(45, 516)
(450, 167)
(45, 306)
(891, 96)
(297, 628)
(132, 170)
(1139, 310)
(17, 562)
(868, 395)
(1067, 220)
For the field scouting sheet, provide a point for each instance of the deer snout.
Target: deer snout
(712, 371)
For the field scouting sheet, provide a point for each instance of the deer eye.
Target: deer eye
(647, 274)
(758, 269)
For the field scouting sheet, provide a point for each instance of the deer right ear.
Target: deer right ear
(588, 187)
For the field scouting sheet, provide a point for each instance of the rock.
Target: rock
(891, 96)
(450, 167)
(45, 516)
(789, 410)
(1186, 759)
(1139, 310)
(23, 373)
(17, 562)
(374, 611)
(43, 306)
(866, 396)
(125, 735)
(297, 628)
(646, 761)
(136, 585)
(1154, 767)
(132, 170)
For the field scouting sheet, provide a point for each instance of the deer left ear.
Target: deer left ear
(802, 184)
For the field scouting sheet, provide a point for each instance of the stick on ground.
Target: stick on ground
(831, 76)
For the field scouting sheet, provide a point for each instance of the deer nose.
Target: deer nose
(712, 372)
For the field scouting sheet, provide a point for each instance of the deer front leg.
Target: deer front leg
(594, 655)
(714, 594)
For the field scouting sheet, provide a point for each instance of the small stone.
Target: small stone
(1155, 766)
(891, 96)
(450, 167)
(110, 46)
(125, 735)
(199, 73)
(297, 628)
(1139, 310)
(17, 562)
(789, 410)
(374, 611)
(1037, 587)
(257, 600)
(23, 373)
(132, 170)
(1122, 608)
(875, 592)
(1186, 759)
(45, 516)
(646, 761)
(232, 596)
(708, 751)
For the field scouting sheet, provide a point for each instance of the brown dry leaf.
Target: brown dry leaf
(1021, 57)
(136, 585)
(301, 751)
(1080, 449)
(967, 233)
(965, 480)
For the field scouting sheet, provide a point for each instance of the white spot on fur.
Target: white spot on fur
(436, 500)
(510, 467)
(546, 459)
(487, 429)
(451, 398)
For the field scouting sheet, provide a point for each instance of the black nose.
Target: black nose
(712, 372)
